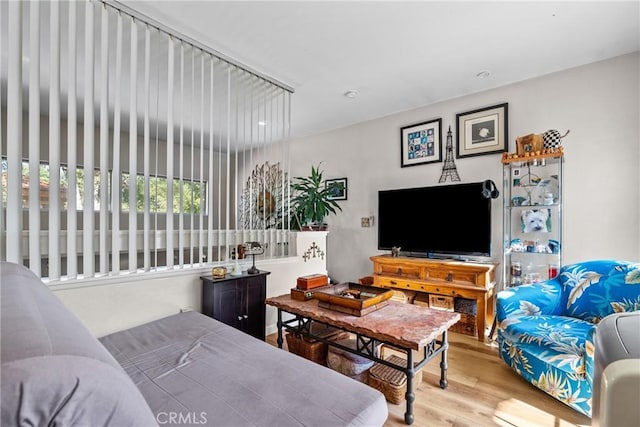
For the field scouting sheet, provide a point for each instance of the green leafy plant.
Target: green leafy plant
(311, 201)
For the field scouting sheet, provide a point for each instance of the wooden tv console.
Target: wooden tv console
(443, 277)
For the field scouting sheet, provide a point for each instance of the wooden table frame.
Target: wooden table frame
(366, 347)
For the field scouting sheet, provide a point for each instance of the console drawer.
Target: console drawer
(404, 270)
(454, 276)
(393, 282)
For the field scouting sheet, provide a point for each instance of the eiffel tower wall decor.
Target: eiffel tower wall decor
(421, 143)
(449, 169)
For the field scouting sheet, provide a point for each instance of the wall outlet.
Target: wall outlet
(365, 222)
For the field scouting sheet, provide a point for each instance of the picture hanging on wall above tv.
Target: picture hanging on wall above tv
(450, 220)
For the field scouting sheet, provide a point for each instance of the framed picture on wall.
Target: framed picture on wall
(337, 188)
(421, 143)
(482, 131)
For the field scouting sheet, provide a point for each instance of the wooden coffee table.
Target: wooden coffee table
(407, 327)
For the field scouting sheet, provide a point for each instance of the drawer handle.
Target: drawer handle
(450, 277)
(393, 282)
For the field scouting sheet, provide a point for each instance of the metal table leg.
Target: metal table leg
(409, 396)
(443, 362)
(279, 324)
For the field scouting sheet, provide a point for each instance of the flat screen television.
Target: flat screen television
(450, 220)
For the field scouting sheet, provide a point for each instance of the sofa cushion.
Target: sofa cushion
(54, 371)
(596, 289)
(191, 364)
(554, 340)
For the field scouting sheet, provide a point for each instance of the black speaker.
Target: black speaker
(489, 190)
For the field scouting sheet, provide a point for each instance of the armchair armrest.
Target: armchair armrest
(530, 300)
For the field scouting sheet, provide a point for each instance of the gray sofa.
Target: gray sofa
(185, 369)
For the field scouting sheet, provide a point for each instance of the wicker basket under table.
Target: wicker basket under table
(392, 382)
(312, 349)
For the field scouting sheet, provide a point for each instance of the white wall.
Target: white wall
(111, 307)
(598, 103)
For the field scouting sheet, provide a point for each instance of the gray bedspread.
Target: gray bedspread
(194, 370)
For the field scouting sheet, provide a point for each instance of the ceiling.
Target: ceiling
(399, 55)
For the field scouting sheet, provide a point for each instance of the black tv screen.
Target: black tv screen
(428, 221)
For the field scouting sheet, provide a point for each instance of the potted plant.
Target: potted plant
(311, 202)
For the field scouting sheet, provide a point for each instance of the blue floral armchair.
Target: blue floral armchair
(546, 330)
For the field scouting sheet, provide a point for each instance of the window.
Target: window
(43, 194)
(192, 193)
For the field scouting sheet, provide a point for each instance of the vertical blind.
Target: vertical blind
(138, 149)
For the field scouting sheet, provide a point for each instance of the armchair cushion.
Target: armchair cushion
(557, 341)
(596, 289)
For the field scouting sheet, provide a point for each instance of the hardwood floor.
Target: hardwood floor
(482, 391)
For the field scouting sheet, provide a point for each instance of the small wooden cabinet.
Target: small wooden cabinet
(442, 277)
(237, 301)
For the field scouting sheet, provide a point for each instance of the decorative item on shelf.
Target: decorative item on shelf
(516, 273)
(534, 246)
(395, 251)
(519, 201)
(219, 272)
(235, 268)
(240, 251)
(253, 249)
(531, 143)
(449, 169)
(536, 221)
(312, 201)
(536, 143)
(552, 138)
(545, 191)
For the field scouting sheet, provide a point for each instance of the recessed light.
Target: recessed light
(483, 74)
(263, 123)
(351, 93)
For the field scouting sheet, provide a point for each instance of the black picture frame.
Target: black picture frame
(421, 143)
(482, 131)
(338, 188)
